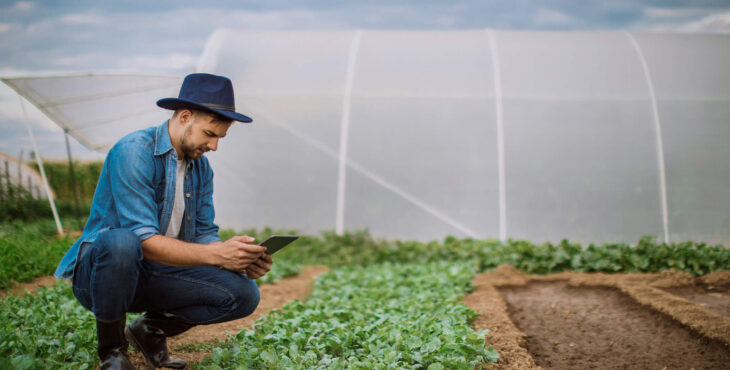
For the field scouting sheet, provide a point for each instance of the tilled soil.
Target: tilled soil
(717, 301)
(711, 291)
(602, 328)
(604, 321)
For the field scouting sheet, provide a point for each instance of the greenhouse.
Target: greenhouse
(588, 136)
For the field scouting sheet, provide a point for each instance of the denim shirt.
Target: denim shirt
(136, 191)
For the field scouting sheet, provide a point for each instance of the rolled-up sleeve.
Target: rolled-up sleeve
(206, 231)
(131, 172)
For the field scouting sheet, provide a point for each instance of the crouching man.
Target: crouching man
(150, 244)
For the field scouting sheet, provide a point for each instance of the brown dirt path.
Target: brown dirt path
(650, 293)
(272, 296)
(19, 289)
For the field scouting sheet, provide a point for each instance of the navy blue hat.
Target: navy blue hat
(206, 92)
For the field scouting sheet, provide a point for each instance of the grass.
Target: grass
(29, 250)
(86, 175)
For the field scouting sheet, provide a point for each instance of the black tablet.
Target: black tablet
(276, 242)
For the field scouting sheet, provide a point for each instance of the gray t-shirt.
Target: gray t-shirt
(178, 207)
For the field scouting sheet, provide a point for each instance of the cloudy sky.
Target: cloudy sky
(41, 37)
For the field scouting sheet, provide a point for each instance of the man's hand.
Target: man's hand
(236, 254)
(259, 267)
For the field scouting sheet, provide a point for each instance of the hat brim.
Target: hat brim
(176, 103)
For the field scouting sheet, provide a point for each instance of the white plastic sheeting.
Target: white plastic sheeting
(590, 136)
(98, 109)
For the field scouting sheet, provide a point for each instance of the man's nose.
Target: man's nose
(213, 144)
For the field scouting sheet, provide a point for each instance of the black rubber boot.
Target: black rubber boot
(112, 346)
(148, 334)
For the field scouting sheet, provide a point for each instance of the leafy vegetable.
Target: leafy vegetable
(47, 330)
(383, 316)
(360, 249)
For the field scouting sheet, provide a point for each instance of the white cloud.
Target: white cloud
(50, 139)
(159, 62)
(41, 28)
(715, 23)
(673, 13)
(74, 60)
(187, 19)
(83, 19)
(5, 27)
(447, 20)
(23, 5)
(551, 18)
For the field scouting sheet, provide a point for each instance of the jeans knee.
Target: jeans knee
(245, 299)
(121, 247)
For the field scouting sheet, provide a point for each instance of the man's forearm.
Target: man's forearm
(174, 252)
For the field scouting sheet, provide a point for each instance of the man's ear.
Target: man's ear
(185, 116)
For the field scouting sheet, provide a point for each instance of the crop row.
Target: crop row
(647, 255)
(382, 316)
(28, 250)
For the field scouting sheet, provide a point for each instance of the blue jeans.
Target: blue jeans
(112, 278)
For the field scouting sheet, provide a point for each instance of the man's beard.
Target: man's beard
(189, 151)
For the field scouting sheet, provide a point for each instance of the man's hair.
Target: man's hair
(217, 118)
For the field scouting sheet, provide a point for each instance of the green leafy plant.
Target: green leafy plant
(47, 330)
(280, 269)
(383, 316)
(358, 248)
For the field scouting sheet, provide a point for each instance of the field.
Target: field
(452, 304)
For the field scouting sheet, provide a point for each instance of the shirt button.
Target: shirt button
(187, 195)
(186, 177)
(189, 218)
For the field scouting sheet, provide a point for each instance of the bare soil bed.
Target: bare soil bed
(605, 321)
(578, 327)
(711, 291)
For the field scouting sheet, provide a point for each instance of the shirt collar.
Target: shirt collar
(162, 139)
